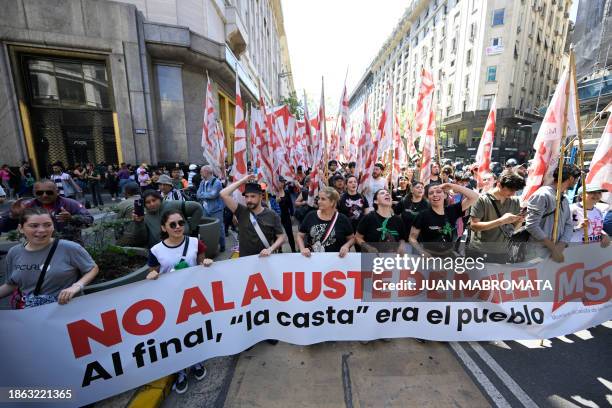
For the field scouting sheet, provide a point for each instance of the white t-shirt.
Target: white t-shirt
(373, 186)
(62, 182)
(166, 257)
(596, 219)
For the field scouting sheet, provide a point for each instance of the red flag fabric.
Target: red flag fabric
(365, 147)
(399, 152)
(344, 135)
(317, 174)
(485, 147)
(425, 125)
(410, 140)
(282, 135)
(548, 141)
(424, 107)
(429, 149)
(384, 132)
(211, 144)
(239, 169)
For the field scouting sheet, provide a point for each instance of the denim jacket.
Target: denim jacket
(208, 195)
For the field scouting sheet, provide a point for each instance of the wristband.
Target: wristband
(80, 285)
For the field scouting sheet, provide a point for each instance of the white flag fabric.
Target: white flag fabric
(600, 169)
(548, 142)
(211, 145)
(239, 169)
(485, 147)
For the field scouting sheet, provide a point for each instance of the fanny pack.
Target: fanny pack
(182, 264)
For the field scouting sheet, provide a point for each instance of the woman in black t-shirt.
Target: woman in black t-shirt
(433, 230)
(411, 205)
(325, 230)
(401, 191)
(381, 230)
(353, 204)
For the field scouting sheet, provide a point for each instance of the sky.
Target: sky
(327, 37)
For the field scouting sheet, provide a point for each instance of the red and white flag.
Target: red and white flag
(384, 132)
(600, 170)
(211, 145)
(425, 125)
(485, 148)
(424, 107)
(429, 149)
(365, 148)
(282, 136)
(548, 141)
(239, 169)
(399, 152)
(317, 174)
(344, 134)
(410, 140)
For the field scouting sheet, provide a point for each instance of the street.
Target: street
(569, 371)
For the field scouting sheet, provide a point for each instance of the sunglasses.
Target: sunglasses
(45, 192)
(180, 223)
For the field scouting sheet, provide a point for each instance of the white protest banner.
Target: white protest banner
(105, 343)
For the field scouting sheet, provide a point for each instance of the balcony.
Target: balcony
(236, 33)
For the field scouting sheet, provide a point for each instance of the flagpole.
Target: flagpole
(561, 161)
(325, 152)
(580, 145)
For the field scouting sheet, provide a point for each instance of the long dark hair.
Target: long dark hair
(164, 219)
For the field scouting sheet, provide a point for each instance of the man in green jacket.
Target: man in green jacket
(148, 227)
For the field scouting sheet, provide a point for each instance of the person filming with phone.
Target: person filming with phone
(69, 216)
(495, 216)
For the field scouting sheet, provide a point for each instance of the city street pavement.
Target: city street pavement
(571, 371)
(568, 371)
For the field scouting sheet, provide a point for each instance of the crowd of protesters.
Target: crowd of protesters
(163, 206)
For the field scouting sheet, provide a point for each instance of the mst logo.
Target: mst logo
(591, 286)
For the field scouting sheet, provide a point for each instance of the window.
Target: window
(441, 54)
(486, 102)
(467, 81)
(170, 83)
(491, 74)
(498, 17)
(472, 31)
(496, 41)
(469, 56)
(68, 83)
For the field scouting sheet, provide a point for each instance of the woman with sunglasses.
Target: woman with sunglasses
(177, 251)
(66, 265)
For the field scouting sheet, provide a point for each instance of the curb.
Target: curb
(152, 394)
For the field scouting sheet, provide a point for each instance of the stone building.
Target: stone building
(124, 81)
(476, 50)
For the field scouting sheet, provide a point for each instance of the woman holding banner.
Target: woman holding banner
(177, 251)
(34, 279)
(381, 230)
(326, 230)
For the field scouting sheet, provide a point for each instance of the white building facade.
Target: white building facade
(476, 50)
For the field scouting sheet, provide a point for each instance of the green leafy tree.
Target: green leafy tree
(294, 104)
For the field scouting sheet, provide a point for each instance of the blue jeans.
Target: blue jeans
(218, 215)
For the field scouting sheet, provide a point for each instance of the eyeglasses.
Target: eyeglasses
(46, 192)
(180, 223)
